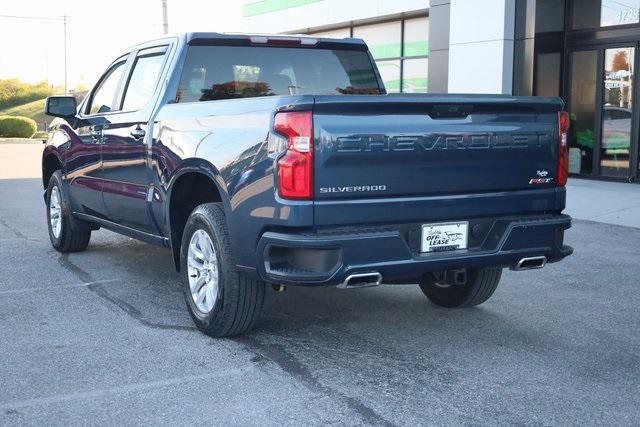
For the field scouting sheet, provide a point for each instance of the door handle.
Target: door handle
(138, 133)
(96, 133)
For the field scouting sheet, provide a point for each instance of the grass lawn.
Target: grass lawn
(34, 110)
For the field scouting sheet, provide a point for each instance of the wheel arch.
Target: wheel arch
(51, 162)
(194, 183)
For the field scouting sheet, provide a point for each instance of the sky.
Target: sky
(32, 33)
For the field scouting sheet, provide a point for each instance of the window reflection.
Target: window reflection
(395, 45)
(547, 76)
(604, 13)
(617, 104)
(584, 65)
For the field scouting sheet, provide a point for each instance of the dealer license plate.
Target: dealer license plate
(444, 237)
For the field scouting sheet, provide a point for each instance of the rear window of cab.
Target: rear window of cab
(227, 72)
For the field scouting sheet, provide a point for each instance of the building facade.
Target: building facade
(585, 51)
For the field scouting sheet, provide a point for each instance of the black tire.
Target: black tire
(239, 299)
(480, 285)
(74, 235)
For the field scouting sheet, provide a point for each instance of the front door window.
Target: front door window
(617, 111)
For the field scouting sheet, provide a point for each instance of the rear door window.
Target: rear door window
(226, 72)
(144, 78)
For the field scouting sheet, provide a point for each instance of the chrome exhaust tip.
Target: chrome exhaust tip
(531, 263)
(361, 280)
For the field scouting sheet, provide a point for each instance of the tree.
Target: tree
(15, 92)
(620, 61)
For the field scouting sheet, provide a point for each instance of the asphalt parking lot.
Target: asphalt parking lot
(103, 336)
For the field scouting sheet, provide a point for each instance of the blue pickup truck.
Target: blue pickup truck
(281, 160)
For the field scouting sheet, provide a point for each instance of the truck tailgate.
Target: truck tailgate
(445, 150)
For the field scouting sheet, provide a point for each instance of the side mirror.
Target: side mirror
(61, 106)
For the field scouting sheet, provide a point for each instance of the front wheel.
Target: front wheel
(221, 301)
(59, 221)
(479, 286)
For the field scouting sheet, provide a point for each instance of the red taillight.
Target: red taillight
(295, 167)
(563, 154)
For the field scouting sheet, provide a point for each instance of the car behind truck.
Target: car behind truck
(281, 160)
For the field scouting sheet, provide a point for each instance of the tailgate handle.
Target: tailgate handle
(450, 111)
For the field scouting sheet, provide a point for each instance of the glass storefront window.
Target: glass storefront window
(383, 39)
(619, 12)
(549, 16)
(585, 14)
(604, 13)
(416, 34)
(414, 75)
(393, 51)
(617, 111)
(547, 78)
(390, 73)
(582, 110)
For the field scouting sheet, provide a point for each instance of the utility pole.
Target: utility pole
(64, 17)
(165, 18)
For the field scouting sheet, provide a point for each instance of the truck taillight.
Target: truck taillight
(295, 167)
(563, 153)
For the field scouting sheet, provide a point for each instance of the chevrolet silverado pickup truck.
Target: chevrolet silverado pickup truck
(265, 160)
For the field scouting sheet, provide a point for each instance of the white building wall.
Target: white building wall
(481, 46)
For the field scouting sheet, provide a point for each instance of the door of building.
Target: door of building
(603, 102)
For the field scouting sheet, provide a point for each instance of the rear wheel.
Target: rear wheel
(62, 234)
(479, 286)
(221, 301)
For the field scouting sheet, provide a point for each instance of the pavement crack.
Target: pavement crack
(96, 287)
(133, 312)
(278, 355)
(81, 274)
(13, 229)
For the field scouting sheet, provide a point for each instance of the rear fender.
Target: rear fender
(192, 165)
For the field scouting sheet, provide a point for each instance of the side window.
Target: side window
(144, 78)
(103, 96)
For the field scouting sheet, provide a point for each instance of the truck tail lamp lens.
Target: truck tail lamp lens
(563, 151)
(295, 167)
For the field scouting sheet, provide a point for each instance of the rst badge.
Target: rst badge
(542, 178)
(540, 181)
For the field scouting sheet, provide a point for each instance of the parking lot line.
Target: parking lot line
(4, 406)
(51, 288)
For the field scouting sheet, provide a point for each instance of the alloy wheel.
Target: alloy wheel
(202, 266)
(55, 212)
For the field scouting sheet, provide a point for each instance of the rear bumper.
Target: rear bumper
(328, 257)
